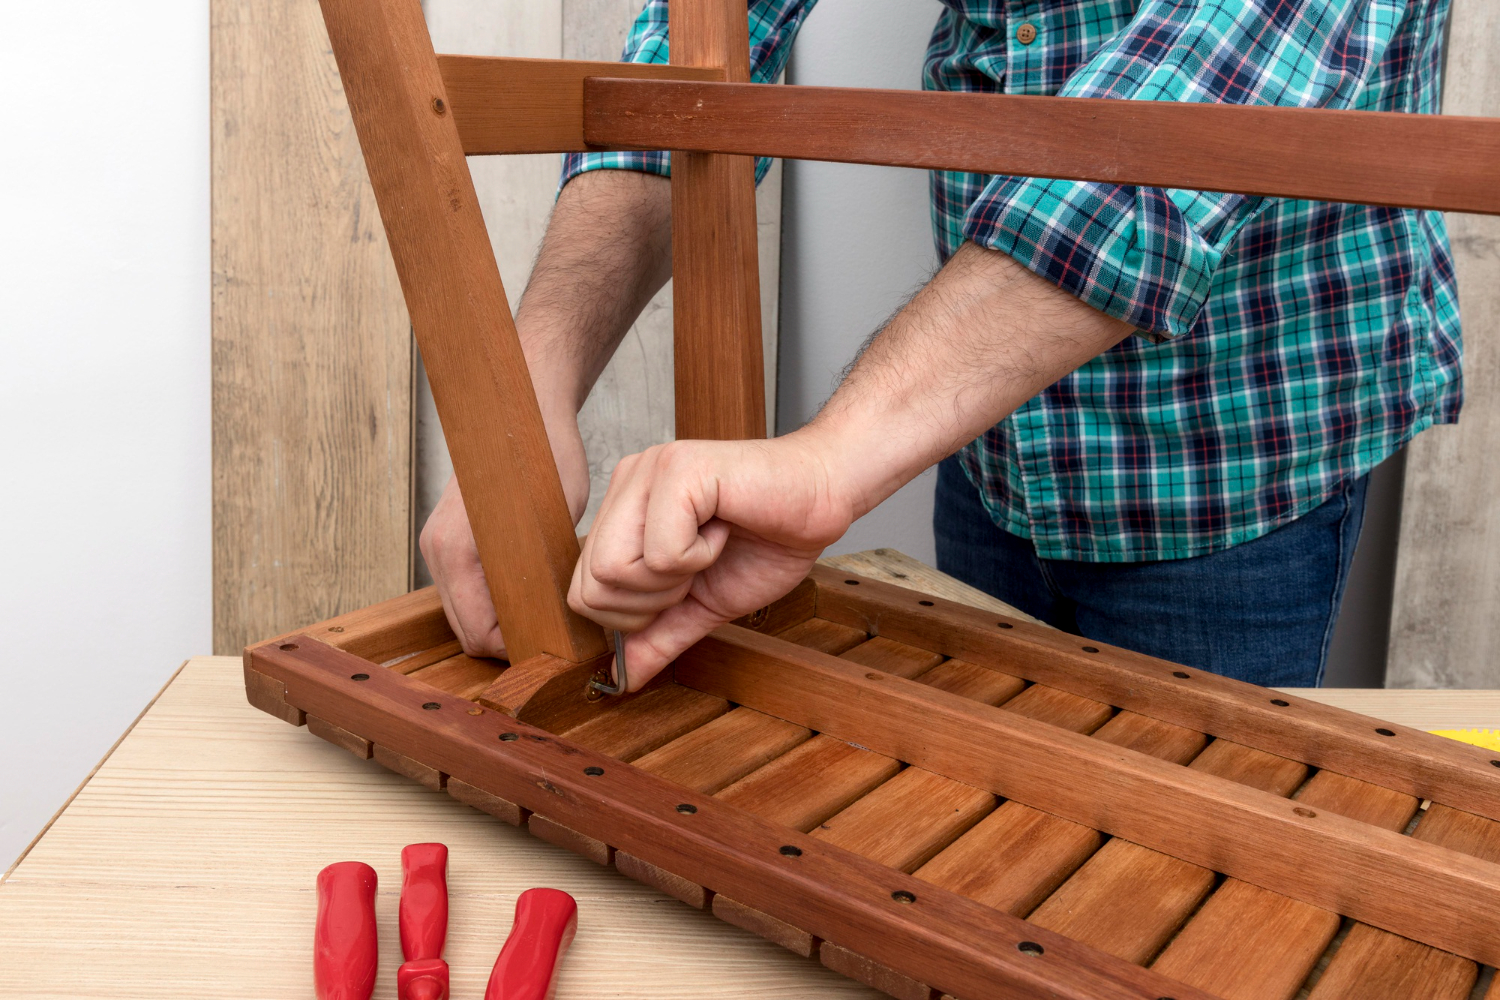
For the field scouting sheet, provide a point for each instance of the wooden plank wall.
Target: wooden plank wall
(1444, 629)
(632, 406)
(311, 343)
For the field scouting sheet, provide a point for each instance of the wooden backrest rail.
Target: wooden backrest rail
(1367, 873)
(939, 937)
(1379, 158)
(1407, 760)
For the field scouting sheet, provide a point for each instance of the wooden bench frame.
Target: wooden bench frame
(419, 115)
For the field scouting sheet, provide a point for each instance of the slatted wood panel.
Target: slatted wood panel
(1227, 937)
(311, 342)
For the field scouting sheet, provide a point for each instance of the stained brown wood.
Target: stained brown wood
(824, 636)
(482, 800)
(340, 737)
(907, 820)
(466, 676)
(637, 727)
(388, 631)
(719, 371)
(1368, 873)
(723, 750)
(957, 945)
(424, 774)
(1408, 761)
(892, 657)
(802, 788)
(311, 345)
(1374, 965)
(1355, 156)
(413, 662)
(534, 105)
(463, 324)
(974, 681)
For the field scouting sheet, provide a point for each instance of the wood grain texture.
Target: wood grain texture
(898, 568)
(1406, 760)
(1444, 631)
(1353, 156)
(311, 342)
(214, 819)
(907, 820)
(723, 750)
(719, 369)
(534, 105)
(1368, 873)
(936, 937)
(463, 324)
(814, 781)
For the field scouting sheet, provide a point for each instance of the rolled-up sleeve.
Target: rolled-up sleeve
(1148, 255)
(773, 28)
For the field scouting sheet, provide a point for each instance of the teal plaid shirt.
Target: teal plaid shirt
(1287, 347)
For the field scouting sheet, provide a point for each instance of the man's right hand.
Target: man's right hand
(447, 543)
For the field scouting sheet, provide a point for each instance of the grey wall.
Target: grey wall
(856, 242)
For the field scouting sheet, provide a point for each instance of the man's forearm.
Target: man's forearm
(607, 251)
(982, 338)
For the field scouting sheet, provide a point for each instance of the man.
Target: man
(1167, 401)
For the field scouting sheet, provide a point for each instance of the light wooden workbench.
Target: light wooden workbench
(184, 867)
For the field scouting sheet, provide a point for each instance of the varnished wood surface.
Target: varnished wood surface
(311, 342)
(1353, 156)
(463, 324)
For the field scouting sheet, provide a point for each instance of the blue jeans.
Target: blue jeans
(1262, 611)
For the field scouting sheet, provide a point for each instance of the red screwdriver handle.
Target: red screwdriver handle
(546, 920)
(424, 900)
(346, 952)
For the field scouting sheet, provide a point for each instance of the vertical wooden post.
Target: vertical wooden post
(720, 379)
(463, 323)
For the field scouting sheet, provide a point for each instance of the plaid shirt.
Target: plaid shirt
(1287, 346)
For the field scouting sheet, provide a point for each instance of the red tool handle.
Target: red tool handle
(424, 900)
(546, 920)
(346, 952)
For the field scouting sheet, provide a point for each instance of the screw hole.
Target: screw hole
(287, 646)
(1183, 674)
(1496, 763)
(335, 628)
(1385, 732)
(509, 737)
(439, 106)
(1305, 813)
(789, 851)
(431, 706)
(593, 772)
(902, 896)
(1280, 702)
(872, 676)
(1031, 948)
(925, 604)
(1091, 649)
(686, 808)
(852, 583)
(359, 677)
(1004, 625)
(476, 710)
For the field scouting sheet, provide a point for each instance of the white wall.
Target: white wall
(856, 241)
(104, 384)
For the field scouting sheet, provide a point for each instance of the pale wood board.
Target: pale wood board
(185, 868)
(311, 342)
(1444, 631)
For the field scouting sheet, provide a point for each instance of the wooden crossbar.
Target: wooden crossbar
(1377, 158)
(1365, 872)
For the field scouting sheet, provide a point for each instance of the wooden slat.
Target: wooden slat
(1367, 873)
(907, 820)
(1408, 761)
(718, 367)
(957, 945)
(504, 105)
(465, 676)
(724, 750)
(824, 636)
(974, 681)
(892, 657)
(639, 726)
(1354, 156)
(463, 323)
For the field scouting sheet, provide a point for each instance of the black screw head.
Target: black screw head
(1031, 948)
(439, 106)
(1091, 649)
(925, 604)
(593, 772)
(1181, 674)
(509, 737)
(852, 583)
(791, 851)
(1004, 625)
(359, 677)
(686, 808)
(431, 706)
(902, 896)
(1280, 702)
(1495, 762)
(1385, 732)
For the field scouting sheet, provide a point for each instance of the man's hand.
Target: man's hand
(696, 533)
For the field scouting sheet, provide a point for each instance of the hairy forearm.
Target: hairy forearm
(983, 337)
(606, 252)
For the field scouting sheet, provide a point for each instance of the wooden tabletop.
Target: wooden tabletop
(184, 867)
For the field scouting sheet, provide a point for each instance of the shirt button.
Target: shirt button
(1026, 33)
